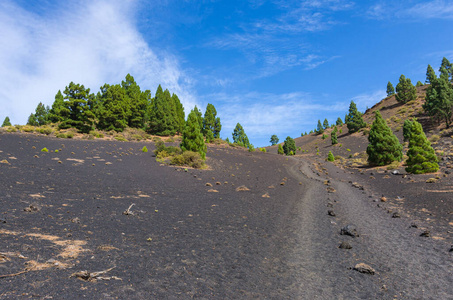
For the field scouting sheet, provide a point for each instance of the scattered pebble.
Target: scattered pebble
(425, 233)
(396, 215)
(331, 213)
(350, 230)
(364, 268)
(345, 245)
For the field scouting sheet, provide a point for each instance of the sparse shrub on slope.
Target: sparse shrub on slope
(421, 156)
(280, 150)
(384, 147)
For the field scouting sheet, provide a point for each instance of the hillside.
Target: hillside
(351, 148)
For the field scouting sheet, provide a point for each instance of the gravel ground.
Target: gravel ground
(254, 225)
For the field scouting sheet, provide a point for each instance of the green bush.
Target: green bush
(120, 138)
(61, 135)
(263, 150)
(144, 149)
(69, 135)
(44, 149)
(188, 158)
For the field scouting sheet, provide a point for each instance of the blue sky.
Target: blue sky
(276, 67)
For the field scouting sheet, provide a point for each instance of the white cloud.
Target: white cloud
(41, 54)
(263, 114)
(406, 10)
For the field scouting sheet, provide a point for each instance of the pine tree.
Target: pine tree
(210, 123)
(199, 117)
(354, 119)
(419, 83)
(405, 90)
(447, 66)
(319, 128)
(390, 89)
(330, 156)
(192, 138)
(55, 112)
(32, 120)
(333, 136)
(421, 156)
(325, 124)
(162, 115)
(289, 146)
(439, 99)
(339, 122)
(6, 122)
(76, 111)
(136, 103)
(274, 140)
(280, 149)
(180, 115)
(407, 127)
(239, 136)
(113, 110)
(383, 147)
(41, 114)
(430, 74)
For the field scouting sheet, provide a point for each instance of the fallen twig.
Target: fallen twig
(87, 276)
(128, 211)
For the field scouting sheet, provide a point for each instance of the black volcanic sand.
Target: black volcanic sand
(188, 239)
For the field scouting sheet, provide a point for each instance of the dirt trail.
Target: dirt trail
(407, 266)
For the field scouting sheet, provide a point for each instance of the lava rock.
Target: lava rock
(451, 249)
(331, 213)
(2, 220)
(364, 268)
(350, 230)
(345, 245)
(396, 215)
(425, 233)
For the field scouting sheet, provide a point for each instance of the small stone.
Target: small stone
(413, 225)
(451, 249)
(396, 215)
(218, 183)
(331, 213)
(329, 204)
(345, 245)
(395, 172)
(447, 172)
(383, 199)
(350, 230)
(425, 233)
(208, 184)
(364, 268)
(2, 220)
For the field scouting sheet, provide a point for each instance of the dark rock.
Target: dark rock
(413, 225)
(364, 268)
(425, 233)
(451, 249)
(329, 204)
(371, 173)
(447, 172)
(345, 245)
(350, 230)
(2, 220)
(396, 215)
(331, 213)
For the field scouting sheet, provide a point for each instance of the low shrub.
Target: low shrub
(188, 158)
(61, 135)
(120, 139)
(393, 166)
(44, 149)
(144, 149)
(434, 138)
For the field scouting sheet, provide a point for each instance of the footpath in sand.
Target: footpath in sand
(103, 220)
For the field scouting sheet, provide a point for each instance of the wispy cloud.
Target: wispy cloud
(367, 100)
(41, 54)
(277, 44)
(407, 10)
(263, 114)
